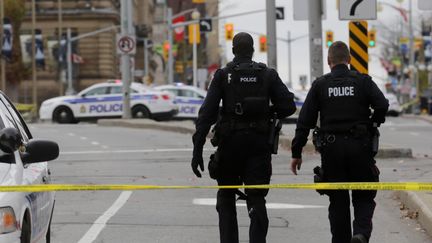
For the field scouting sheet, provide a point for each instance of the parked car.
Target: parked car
(25, 216)
(105, 100)
(188, 98)
(394, 106)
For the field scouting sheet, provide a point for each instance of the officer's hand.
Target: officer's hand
(296, 165)
(197, 160)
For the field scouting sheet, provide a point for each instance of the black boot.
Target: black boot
(359, 238)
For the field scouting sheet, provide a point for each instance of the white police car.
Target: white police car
(105, 100)
(188, 98)
(24, 216)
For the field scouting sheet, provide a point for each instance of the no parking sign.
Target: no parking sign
(126, 44)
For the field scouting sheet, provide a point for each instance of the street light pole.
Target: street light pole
(315, 39)
(271, 34)
(34, 98)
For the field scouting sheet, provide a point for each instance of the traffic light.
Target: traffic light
(372, 38)
(329, 38)
(263, 43)
(229, 31)
(166, 47)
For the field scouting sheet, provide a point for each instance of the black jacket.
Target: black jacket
(342, 98)
(282, 102)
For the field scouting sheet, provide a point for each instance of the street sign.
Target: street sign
(301, 9)
(358, 9)
(358, 44)
(280, 13)
(194, 34)
(126, 44)
(205, 25)
(425, 4)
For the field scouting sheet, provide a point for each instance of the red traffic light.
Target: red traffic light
(166, 46)
(263, 39)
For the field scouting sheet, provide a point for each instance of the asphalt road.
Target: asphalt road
(96, 155)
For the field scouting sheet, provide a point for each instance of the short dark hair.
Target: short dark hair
(338, 53)
(243, 44)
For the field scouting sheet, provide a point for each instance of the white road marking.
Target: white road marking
(132, 151)
(83, 138)
(100, 223)
(95, 143)
(414, 134)
(104, 147)
(71, 134)
(212, 202)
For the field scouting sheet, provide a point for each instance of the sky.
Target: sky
(300, 48)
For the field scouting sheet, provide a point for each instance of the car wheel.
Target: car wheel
(26, 230)
(140, 112)
(63, 115)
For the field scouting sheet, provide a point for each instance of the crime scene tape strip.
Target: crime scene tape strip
(388, 186)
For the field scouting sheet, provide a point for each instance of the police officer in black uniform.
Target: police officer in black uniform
(246, 89)
(343, 99)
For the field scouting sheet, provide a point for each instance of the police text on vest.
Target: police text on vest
(248, 79)
(341, 91)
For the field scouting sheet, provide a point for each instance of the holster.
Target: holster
(318, 178)
(317, 139)
(275, 127)
(213, 165)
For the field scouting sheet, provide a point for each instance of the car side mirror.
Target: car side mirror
(83, 95)
(40, 151)
(10, 140)
(201, 97)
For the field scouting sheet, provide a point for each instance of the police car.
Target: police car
(24, 216)
(188, 98)
(105, 100)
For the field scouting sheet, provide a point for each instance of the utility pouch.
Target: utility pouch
(317, 139)
(318, 178)
(213, 166)
(255, 107)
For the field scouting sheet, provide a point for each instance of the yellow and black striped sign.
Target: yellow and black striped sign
(358, 43)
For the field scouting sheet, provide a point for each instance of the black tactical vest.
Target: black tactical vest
(245, 93)
(343, 102)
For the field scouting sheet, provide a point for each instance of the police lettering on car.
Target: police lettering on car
(244, 135)
(343, 100)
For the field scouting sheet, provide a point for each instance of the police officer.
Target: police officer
(343, 99)
(246, 89)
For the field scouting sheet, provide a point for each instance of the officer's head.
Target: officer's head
(338, 53)
(243, 45)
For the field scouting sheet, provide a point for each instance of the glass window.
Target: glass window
(97, 91)
(16, 120)
(188, 93)
(116, 90)
(175, 92)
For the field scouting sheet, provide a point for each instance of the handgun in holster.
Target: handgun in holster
(317, 139)
(375, 140)
(318, 178)
(275, 127)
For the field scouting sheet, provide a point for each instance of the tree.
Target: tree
(15, 11)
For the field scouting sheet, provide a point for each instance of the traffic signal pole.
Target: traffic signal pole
(315, 39)
(271, 34)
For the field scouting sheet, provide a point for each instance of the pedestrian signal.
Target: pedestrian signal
(263, 43)
(329, 38)
(229, 31)
(372, 38)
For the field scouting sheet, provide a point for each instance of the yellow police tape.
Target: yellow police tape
(389, 186)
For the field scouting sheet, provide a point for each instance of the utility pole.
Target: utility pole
(70, 90)
(2, 64)
(315, 39)
(170, 51)
(271, 34)
(34, 98)
(289, 60)
(60, 32)
(126, 30)
(146, 66)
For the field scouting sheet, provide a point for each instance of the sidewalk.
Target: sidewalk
(420, 203)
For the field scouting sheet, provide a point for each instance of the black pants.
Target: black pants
(350, 159)
(245, 158)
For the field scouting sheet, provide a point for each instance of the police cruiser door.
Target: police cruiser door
(97, 102)
(189, 102)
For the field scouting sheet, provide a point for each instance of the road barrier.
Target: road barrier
(385, 186)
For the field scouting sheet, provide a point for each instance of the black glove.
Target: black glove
(197, 160)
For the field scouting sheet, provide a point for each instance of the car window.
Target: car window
(188, 93)
(116, 90)
(15, 119)
(97, 91)
(176, 92)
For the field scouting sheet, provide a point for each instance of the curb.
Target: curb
(415, 204)
(284, 141)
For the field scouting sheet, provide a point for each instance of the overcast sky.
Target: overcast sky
(300, 48)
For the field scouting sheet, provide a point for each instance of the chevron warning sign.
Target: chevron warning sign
(358, 43)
